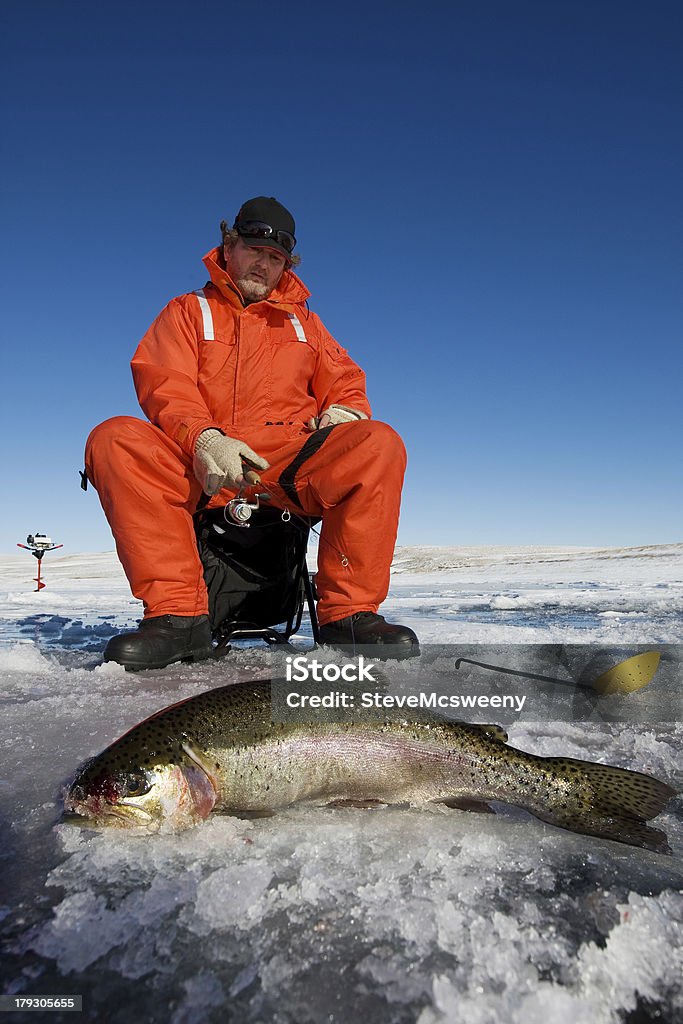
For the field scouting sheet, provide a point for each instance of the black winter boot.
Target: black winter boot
(366, 632)
(159, 641)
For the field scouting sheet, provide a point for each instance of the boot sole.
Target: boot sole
(137, 666)
(383, 652)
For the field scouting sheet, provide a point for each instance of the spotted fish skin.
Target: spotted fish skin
(220, 751)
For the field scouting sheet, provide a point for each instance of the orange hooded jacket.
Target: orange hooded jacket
(257, 372)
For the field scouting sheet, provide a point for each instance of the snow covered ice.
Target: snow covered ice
(392, 915)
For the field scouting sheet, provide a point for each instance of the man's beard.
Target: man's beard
(253, 290)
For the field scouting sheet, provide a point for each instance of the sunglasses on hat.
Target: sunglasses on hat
(259, 229)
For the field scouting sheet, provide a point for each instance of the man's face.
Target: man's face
(256, 270)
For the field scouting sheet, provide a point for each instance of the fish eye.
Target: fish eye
(136, 784)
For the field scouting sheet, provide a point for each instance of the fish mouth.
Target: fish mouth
(75, 818)
(123, 815)
(130, 812)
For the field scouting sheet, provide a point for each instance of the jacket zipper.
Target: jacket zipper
(238, 332)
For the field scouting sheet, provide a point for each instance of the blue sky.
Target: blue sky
(488, 206)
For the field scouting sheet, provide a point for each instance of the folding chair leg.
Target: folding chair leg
(310, 601)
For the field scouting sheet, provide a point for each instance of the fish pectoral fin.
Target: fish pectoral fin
(246, 814)
(203, 761)
(363, 804)
(202, 792)
(465, 803)
(201, 779)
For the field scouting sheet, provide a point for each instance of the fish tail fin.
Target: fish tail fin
(609, 802)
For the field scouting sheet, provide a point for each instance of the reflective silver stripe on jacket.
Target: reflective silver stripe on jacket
(207, 318)
(296, 324)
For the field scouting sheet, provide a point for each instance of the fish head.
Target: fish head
(169, 793)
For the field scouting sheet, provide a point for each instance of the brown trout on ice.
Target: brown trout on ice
(220, 751)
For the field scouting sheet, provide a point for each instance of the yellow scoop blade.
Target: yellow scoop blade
(630, 675)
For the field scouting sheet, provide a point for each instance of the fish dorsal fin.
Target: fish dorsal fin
(494, 732)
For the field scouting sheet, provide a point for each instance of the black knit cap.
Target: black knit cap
(269, 211)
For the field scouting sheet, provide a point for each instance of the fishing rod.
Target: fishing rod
(626, 676)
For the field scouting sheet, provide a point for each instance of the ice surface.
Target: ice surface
(391, 915)
(540, 595)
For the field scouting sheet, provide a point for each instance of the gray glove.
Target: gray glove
(336, 414)
(218, 462)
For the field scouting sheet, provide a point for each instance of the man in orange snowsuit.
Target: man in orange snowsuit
(235, 377)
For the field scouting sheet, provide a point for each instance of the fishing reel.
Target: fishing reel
(239, 510)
